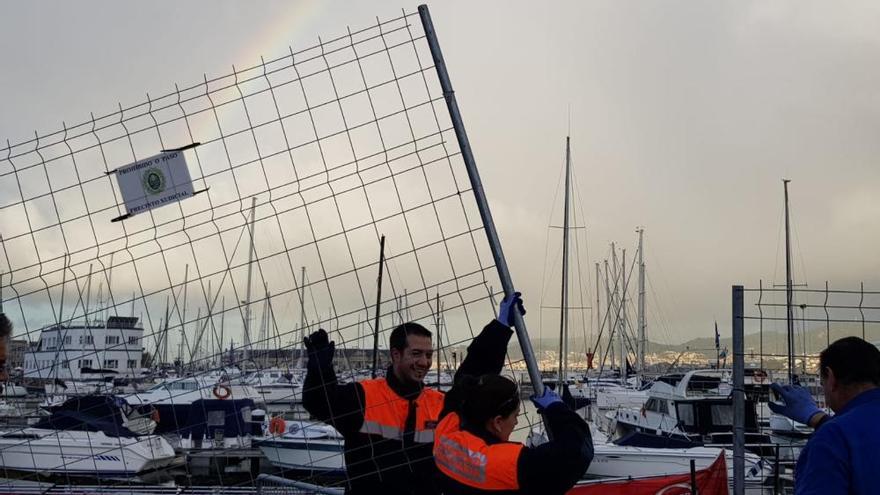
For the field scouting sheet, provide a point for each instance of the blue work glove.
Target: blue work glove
(799, 404)
(320, 349)
(546, 400)
(505, 310)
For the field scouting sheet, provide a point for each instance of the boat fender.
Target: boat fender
(277, 426)
(222, 391)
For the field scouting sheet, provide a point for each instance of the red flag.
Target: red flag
(712, 480)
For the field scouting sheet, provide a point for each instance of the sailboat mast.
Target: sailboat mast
(643, 340)
(378, 307)
(609, 311)
(621, 336)
(437, 326)
(247, 299)
(563, 306)
(598, 310)
(789, 295)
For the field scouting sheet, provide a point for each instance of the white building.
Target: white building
(65, 351)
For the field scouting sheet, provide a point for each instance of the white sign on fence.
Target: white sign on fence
(153, 182)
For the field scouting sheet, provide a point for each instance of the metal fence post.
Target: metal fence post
(482, 204)
(739, 442)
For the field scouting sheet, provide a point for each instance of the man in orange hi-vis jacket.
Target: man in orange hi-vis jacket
(388, 423)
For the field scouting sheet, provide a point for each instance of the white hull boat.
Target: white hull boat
(305, 446)
(10, 390)
(617, 461)
(82, 453)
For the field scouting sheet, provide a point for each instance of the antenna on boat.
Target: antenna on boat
(378, 306)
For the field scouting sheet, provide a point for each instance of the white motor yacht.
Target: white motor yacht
(82, 453)
(86, 436)
(277, 386)
(618, 461)
(685, 411)
(306, 446)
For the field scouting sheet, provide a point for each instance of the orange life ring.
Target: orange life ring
(221, 387)
(277, 426)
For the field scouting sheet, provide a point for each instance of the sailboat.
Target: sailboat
(779, 424)
(610, 459)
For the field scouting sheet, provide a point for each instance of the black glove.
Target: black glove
(320, 349)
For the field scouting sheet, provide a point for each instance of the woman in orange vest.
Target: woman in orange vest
(474, 454)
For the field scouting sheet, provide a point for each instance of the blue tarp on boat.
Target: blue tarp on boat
(208, 416)
(88, 413)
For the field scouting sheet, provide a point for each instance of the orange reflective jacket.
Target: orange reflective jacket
(385, 412)
(468, 459)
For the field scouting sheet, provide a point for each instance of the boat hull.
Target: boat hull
(81, 453)
(324, 455)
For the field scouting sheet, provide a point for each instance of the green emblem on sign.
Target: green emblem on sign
(154, 181)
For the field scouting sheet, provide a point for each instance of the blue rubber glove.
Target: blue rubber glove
(320, 349)
(799, 404)
(546, 400)
(505, 310)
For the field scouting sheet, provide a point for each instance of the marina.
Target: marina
(274, 280)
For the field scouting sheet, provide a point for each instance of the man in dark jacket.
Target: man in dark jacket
(388, 423)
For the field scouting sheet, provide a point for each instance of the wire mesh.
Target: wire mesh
(819, 316)
(300, 163)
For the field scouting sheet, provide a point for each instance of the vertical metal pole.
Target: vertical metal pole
(789, 292)
(827, 320)
(247, 298)
(621, 312)
(437, 326)
(480, 196)
(694, 477)
(378, 307)
(739, 441)
(563, 305)
(598, 311)
(643, 337)
(611, 326)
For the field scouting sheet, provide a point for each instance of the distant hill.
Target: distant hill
(774, 342)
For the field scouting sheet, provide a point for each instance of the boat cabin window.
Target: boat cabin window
(21, 436)
(657, 405)
(722, 414)
(686, 414)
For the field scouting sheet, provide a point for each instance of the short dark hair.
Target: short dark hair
(487, 397)
(399, 335)
(853, 361)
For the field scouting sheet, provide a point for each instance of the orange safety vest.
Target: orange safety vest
(385, 412)
(468, 459)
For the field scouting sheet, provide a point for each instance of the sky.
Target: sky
(684, 116)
